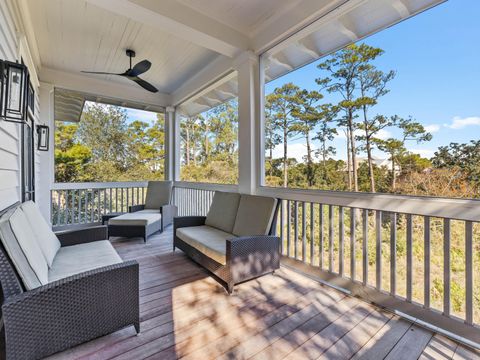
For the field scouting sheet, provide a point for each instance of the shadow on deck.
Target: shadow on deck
(186, 314)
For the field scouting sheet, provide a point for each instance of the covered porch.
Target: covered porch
(337, 294)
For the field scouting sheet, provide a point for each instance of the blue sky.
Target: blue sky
(437, 59)
(146, 116)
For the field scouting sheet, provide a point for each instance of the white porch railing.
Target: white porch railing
(195, 198)
(85, 203)
(395, 251)
(415, 255)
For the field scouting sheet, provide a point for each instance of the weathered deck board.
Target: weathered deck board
(439, 348)
(186, 314)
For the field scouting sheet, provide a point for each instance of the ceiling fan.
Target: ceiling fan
(132, 73)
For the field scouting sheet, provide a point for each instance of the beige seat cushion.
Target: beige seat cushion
(139, 218)
(31, 249)
(16, 254)
(45, 237)
(254, 216)
(158, 194)
(208, 240)
(149, 211)
(75, 259)
(223, 211)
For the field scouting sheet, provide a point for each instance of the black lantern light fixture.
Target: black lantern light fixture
(43, 132)
(13, 91)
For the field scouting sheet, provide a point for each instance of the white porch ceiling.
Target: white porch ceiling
(184, 39)
(74, 35)
(246, 16)
(352, 21)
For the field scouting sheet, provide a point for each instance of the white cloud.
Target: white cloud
(425, 153)
(459, 122)
(432, 128)
(296, 150)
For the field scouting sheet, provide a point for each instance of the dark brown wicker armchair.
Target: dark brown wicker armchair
(245, 256)
(64, 313)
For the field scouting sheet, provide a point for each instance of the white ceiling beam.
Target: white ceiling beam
(227, 90)
(308, 49)
(401, 7)
(205, 80)
(219, 94)
(202, 102)
(347, 28)
(181, 21)
(300, 16)
(211, 100)
(280, 62)
(326, 15)
(103, 88)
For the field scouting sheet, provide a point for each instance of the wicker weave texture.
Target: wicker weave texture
(70, 311)
(67, 312)
(247, 257)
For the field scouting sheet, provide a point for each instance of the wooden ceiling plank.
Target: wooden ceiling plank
(181, 21)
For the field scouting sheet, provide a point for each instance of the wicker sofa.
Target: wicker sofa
(59, 290)
(145, 220)
(235, 241)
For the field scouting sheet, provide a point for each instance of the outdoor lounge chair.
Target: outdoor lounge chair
(145, 220)
(60, 290)
(235, 241)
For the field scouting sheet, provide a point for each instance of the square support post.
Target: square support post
(247, 66)
(170, 141)
(176, 157)
(45, 173)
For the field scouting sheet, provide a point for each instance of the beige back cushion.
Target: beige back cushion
(223, 211)
(15, 253)
(254, 216)
(158, 194)
(44, 235)
(27, 240)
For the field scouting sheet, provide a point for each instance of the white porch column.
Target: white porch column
(176, 146)
(248, 121)
(169, 143)
(45, 175)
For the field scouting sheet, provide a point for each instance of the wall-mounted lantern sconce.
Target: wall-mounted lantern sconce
(13, 91)
(43, 132)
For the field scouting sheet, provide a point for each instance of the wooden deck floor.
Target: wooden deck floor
(186, 314)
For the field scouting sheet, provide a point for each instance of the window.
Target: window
(209, 135)
(110, 143)
(384, 114)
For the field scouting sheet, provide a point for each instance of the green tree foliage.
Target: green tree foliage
(356, 86)
(71, 157)
(103, 128)
(104, 147)
(309, 115)
(325, 135)
(343, 69)
(283, 105)
(463, 159)
(209, 145)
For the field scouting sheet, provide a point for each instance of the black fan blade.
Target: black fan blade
(140, 68)
(100, 73)
(144, 84)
